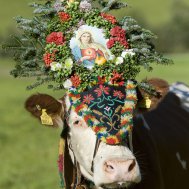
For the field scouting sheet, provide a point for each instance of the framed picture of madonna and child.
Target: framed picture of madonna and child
(89, 46)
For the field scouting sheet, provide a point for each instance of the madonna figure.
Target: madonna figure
(87, 52)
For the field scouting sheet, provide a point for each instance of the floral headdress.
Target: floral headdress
(43, 49)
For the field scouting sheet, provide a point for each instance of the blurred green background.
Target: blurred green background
(28, 150)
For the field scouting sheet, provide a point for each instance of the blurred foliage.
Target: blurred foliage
(174, 35)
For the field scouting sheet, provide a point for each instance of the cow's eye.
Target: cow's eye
(76, 122)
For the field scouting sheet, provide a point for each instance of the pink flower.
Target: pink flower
(102, 89)
(55, 37)
(87, 99)
(110, 43)
(117, 31)
(118, 94)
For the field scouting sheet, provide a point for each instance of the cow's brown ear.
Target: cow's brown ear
(38, 103)
(161, 86)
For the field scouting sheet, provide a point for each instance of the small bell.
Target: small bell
(81, 187)
(45, 118)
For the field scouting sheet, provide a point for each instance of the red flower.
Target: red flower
(87, 99)
(55, 37)
(118, 94)
(117, 79)
(117, 31)
(109, 17)
(110, 43)
(64, 16)
(76, 81)
(101, 80)
(102, 89)
(48, 58)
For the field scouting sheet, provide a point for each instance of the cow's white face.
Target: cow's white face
(114, 166)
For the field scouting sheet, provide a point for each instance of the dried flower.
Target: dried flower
(58, 6)
(85, 6)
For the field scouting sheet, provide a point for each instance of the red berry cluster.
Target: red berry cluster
(109, 17)
(48, 58)
(64, 16)
(76, 81)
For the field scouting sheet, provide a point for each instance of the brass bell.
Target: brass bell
(81, 187)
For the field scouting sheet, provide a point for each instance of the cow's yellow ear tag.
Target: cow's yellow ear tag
(146, 103)
(45, 118)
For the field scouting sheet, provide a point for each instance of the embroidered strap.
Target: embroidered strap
(95, 152)
(61, 162)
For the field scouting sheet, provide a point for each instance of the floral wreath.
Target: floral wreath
(44, 48)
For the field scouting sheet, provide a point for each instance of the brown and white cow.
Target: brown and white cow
(112, 166)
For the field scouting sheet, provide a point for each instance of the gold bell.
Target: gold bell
(81, 187)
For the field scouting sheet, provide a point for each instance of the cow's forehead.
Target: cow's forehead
(107, 109)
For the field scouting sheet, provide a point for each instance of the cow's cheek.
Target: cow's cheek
(83, 143)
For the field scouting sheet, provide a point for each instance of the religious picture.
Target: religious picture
(89, 46)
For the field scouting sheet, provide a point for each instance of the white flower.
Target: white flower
(55, 66)
(129, 52)
(67, 84)
(112, 57)
(68, 63)
(119, 60)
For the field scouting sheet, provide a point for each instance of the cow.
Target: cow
(92, 163)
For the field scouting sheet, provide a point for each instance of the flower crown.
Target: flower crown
(48, 48)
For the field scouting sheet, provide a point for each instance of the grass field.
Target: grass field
(28, 150)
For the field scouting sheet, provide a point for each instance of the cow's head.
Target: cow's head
(102, 146)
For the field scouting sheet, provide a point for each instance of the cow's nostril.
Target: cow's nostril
(131, 166)
(108, 167)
